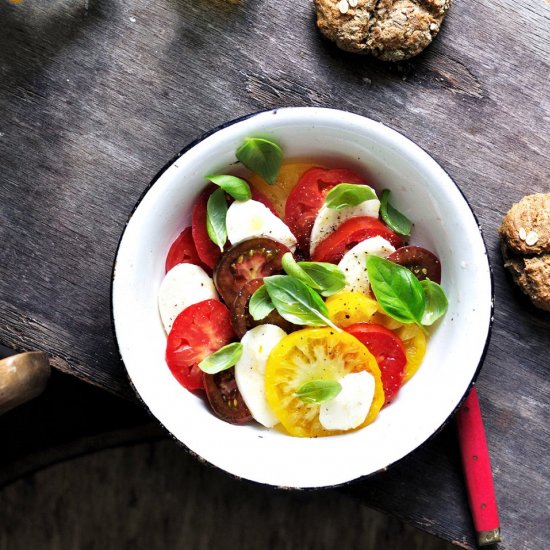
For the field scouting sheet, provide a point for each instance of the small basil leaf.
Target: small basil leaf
(216, 210)
(296, 302)
(348, 194)
(318, 391)
(436, 302)
(260, 304)
(397, 290)
(261, 156)
(224, 358)
(328, 277)
(323, 277)
(392, 217)
(292, 268)
(234, 186)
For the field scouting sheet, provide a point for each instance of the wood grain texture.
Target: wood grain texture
(96, 96)
(154, 496)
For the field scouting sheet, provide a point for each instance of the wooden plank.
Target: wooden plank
(96, 96)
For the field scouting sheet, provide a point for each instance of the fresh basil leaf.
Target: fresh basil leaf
(348, 194)
(261, 156)
(260, 304)
(216, 212)
(328, 277)
(318, 391)
(392, 217)
(397, 290)
(223, 359)
(292, 268)
(324, 277)
(236, 187)
(436, 302)
(296, 302)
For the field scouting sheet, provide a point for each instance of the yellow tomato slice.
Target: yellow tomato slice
(288, 177)
(414, 341)
(348, 308)
(315, 354)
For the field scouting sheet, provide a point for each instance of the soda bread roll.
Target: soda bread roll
(525, 245)
(391, 30)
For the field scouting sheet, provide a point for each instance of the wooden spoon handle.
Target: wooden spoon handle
(22, 377)
(477, 470)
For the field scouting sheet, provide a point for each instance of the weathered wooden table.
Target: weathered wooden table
(96, 95)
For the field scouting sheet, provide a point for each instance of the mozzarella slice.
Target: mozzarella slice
(354, 263)
(182, 286)
(248, 219)
(250, 371)
(351, 406)
(328, 219)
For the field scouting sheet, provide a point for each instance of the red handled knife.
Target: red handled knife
(477, 470)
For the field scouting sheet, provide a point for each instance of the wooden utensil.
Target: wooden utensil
(23, 376)
(477, 471)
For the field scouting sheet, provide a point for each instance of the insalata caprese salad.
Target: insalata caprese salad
(293, 299)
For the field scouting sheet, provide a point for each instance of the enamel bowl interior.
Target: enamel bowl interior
(444, 224)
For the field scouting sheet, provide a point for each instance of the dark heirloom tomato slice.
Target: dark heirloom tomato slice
(241, 318)
(225, 398)
(183, 251)
(350, 233)
(251, 259)
(423, 263)
(208, 252)
(307, 197)
(389, 352)
(198, 331)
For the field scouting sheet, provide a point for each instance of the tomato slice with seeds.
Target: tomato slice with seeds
(198, 331)
(183, 251)
(307, 197)
(251, 259)
(225, 398)
(240, 316)
(208, 252)
(423, 263)
(389, 352)
(350, 233)
(315, 354)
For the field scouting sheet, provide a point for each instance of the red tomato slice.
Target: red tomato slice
(350, 233)
(260, 197)
(183, 251)
(198, 331)
(208, 252)
(307, 197)
(389, 352)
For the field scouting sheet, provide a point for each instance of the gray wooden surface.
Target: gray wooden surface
(96, 95)
(154, 497)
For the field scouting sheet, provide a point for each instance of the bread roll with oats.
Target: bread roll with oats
(391, 30)
(525, 245)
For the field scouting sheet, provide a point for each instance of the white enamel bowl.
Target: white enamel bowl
(443, 222)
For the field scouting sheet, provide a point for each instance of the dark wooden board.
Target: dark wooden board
(96, 96)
